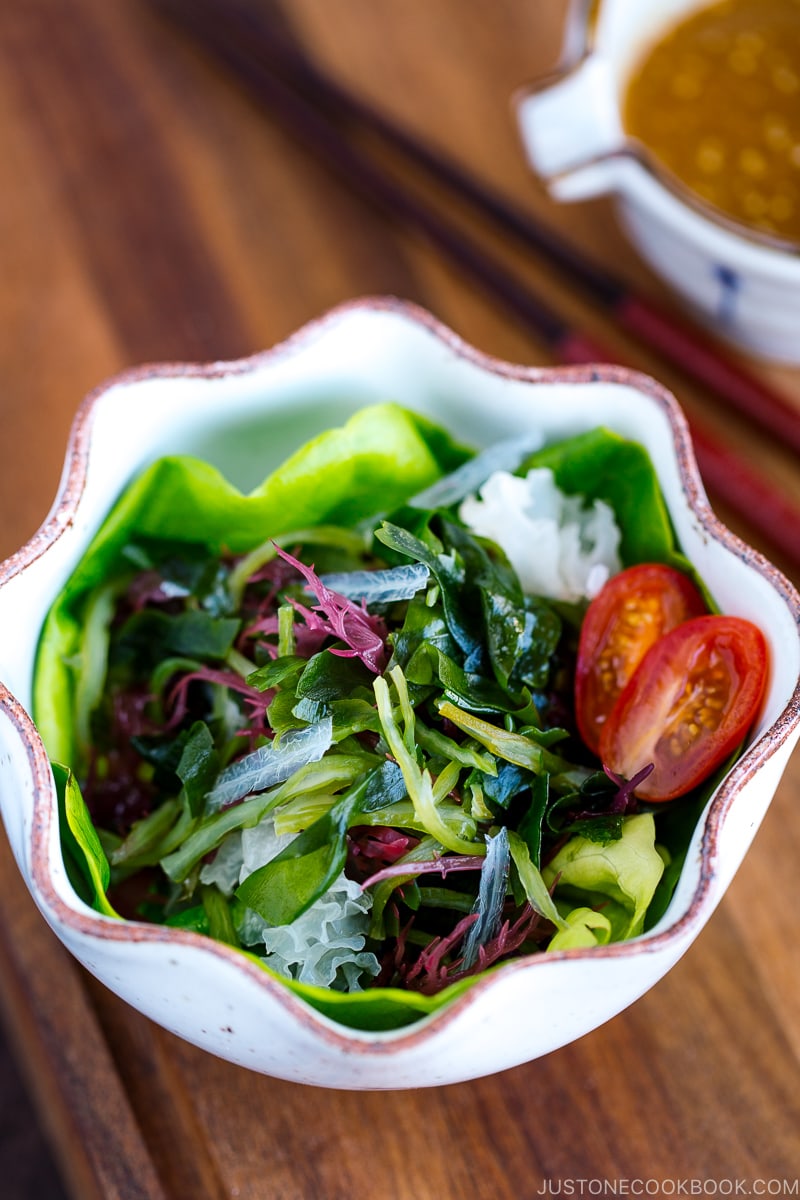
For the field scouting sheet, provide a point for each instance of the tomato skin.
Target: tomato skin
(687, 706)
(627, 616)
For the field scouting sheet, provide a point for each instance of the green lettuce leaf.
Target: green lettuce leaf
(374, 1009)
(618, 878)
(84, 858)
(585, 928)
(601, 465)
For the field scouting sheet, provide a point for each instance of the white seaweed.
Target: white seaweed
(506, 455)
(323, 946)
(379, 587)
(560, 547)
(270, 764)
(491, 897)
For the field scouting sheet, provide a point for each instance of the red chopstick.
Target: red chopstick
(235, 35)
(699, 358)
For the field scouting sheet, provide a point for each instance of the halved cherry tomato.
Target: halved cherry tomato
(687, 706)
(626, 617)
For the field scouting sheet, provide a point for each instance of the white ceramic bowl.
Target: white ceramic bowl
(746, 286)
(245, 417)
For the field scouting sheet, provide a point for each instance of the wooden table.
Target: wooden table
(149, 211)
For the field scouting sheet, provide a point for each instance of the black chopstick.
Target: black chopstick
(237, 46)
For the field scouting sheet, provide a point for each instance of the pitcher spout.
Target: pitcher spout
(571, 123)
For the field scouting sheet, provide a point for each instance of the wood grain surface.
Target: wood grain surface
(150, 211)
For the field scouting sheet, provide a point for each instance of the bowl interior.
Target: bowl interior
(246, 417)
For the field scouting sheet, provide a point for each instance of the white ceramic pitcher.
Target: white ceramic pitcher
(745, 285)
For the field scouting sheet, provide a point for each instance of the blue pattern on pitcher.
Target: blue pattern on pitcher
(730, 283)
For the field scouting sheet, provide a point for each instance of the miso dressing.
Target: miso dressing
(717, 102)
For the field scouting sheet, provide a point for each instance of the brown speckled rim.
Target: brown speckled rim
(62, 516)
